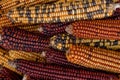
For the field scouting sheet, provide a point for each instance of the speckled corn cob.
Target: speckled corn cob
(26, 56)
(47, 71)
(65, 12)
(62, 42)
(6, 74)
(95, 58)
(17, 39)
(9, 4)
(96, 29)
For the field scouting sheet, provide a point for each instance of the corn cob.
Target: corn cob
(52, 29)
(26, 56)
(63, 12)
(55, 72)
(17, 39)
(98, 29)
(9, 4)
(46, 29)
(62, 42)
(54, 57)
(4, 62)
(94, 58)
(6, 73)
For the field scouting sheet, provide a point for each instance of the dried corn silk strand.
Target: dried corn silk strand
(47, 71)
(17, 39)
(36, 15)
(26, 56)
(95, 30)
(6, 73)
(55, 57)
(94, 58)
(62, 42)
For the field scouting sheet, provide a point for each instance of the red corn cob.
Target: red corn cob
(7, 74)
(55, 72)
(57, 57)
(23, 40)
(97, 29)
(52, 29)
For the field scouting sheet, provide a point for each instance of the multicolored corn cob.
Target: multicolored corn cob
(46, 29)
(62, 42)
(6, 74)
(17, 39)
(9, 4)
(13, 54)
(64, 12)
(96, 29)
(53, 72)
(95, 58)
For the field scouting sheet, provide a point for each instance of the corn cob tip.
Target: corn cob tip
(40, 29)
(114, 6)
(69, 29)
(0, 37)
(67, 52)
(25, 77)
(12, 63)
(43, 54)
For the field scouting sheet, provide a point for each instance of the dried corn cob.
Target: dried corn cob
(62, 42)
(17, 39)
(94, 58)
(26, 56)
(4, 61)
(63, 12)
(46, 29)
(54, 57)
(53, 72)
(9, 4)
(6, 73)
(98, 29)
(52, 29)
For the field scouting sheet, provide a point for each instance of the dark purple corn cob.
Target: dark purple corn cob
(57, 57)
(17, 39)
(56, 72)
(6, 74)
(52, 29)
